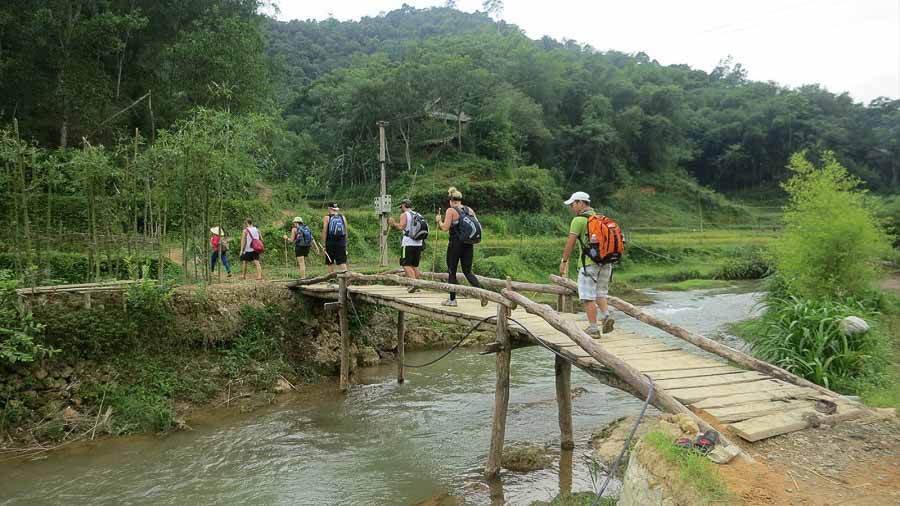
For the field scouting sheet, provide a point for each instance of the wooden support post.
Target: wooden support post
(566, 458)
(560, 303)
(343, 299)
(87, 300)
(401, 344)
(564, 399)
(501, 395)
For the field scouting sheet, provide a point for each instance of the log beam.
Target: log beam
(469, 291)
(501, 396)
(343, 300)
(401, 344)
(563, 369)
(661, 399)
(714, 347)
(518, 286)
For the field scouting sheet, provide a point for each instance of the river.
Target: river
(383, 443)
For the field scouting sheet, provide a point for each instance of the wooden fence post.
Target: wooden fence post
(564, 401)
(401, 344)
(501, 395)
(344, 300)
(566, 458)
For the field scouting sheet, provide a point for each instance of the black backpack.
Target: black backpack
(468, 230)
(418, 228)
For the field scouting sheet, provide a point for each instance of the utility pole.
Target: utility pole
(384, 208)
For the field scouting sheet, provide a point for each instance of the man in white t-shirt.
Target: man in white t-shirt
(410, 249)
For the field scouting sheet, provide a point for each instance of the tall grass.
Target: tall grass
(804, 336)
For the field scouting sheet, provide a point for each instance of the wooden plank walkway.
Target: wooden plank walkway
(753, 404)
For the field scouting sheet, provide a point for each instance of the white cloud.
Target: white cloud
(844, 45)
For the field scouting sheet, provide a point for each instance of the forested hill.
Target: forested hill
(75, 73)
(586, 114)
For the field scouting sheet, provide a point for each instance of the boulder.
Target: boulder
(853, 325)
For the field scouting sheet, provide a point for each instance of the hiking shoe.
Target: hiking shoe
(608, 324)
(593, 331)
(412, 289)
(448, 302)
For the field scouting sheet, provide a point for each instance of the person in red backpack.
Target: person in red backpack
(593, 279)
(220, 250)
(251, 248)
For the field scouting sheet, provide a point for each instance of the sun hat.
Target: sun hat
(582, 196)
(297, 219)
(405, 202)
(216, 230)
(333, 206)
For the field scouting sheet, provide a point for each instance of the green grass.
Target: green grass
(577, 499)
(884, 391)
(694, 469)
(694, 284)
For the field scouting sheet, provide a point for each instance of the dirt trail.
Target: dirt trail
(851, 463)
(891, 283)
(264, 193)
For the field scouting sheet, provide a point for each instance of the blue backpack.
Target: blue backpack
(337, 229)
(304, 236)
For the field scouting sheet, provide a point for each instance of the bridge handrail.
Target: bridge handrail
(519, 286)
(471, 291)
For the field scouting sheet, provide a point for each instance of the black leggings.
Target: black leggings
(459, 252)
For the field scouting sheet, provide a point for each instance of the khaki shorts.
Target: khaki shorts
(593, 281)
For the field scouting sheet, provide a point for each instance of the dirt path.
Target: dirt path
(891, 283)
(852, 463)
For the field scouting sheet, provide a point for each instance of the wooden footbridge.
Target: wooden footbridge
(719, 387)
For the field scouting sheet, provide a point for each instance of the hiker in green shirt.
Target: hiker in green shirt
(593, 279)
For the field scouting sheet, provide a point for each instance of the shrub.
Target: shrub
(803, 336)
(753, 267)
(831, 237)
(148, 308)
(17, 332)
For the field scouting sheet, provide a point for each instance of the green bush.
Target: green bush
(753, 267)
(831, 236)
(18, 333)
(74, 268)
(256, 352)
(803, 336)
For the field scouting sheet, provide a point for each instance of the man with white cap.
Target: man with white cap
(593, 279)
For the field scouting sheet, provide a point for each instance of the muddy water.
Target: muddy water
(382, 444)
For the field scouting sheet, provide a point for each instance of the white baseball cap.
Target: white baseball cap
(578, 196)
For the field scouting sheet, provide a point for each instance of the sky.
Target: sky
(845, 45)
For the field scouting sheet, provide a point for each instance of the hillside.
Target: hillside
(595, 118)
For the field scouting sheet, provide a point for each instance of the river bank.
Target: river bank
(381, 443)
(124, 371)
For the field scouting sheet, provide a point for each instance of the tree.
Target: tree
(831, 238)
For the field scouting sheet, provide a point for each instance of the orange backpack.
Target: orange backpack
(605, 241)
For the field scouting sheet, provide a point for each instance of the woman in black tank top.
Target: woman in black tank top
(458, 252)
